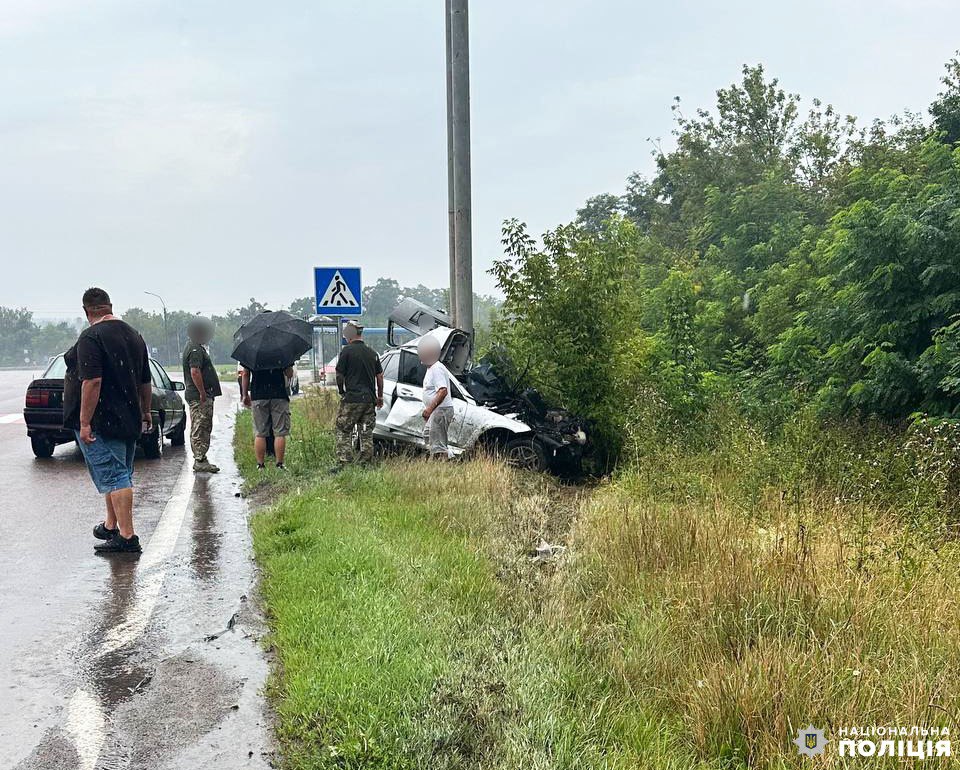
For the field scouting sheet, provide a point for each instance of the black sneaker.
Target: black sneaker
(281, 467)
(119, 544)
(261, 467)
(102, 533)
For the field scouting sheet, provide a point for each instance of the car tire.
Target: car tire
(42, 446)
(179, 437)
(152, 443)
(525, 453)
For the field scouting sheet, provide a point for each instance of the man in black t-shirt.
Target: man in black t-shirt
(267, 393)
(106, 401)
(360, 382)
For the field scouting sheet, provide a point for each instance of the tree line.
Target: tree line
(23, 340)
(778, 260)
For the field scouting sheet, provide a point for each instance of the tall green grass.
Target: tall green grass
(408, 622)
(706, 606)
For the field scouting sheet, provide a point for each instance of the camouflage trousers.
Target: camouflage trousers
(348, 417)
(201, 426)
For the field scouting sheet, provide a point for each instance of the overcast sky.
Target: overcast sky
(214, 151)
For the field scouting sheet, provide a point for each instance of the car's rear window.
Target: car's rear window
(56, 370)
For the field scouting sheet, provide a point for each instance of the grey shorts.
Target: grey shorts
(271, 416)
(437, 429)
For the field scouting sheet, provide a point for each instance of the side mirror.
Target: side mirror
(178, 385)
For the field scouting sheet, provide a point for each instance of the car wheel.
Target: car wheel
(179, 437)
(526, 453)
(152, 443)
(42, 446)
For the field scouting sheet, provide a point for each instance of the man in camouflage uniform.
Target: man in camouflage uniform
(201, 387)
(360, 382)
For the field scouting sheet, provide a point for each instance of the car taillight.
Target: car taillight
(38, 398)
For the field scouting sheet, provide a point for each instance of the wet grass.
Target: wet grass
(309, 448)
(407, 619)
(700, 613)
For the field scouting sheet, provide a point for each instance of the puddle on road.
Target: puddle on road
(144, 690)
(207, 536)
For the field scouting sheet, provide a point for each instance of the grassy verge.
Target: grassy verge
(699, 615)
(411, 625)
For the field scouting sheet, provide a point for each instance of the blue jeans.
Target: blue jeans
(110, 462)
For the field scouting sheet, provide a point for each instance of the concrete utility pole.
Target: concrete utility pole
(451, 200)
(459, 64)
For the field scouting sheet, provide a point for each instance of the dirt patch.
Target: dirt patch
(186, 699)
(54, 752)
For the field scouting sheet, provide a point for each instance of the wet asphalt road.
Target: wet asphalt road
(111, 662)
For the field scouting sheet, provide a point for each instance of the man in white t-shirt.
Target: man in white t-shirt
(438, 405)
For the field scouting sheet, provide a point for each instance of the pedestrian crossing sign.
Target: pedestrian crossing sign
(339, 290)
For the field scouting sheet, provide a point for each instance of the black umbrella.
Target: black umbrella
(272, 340)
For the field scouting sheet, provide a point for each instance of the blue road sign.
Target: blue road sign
(339, 290)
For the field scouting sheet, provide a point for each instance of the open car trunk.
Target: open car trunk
(420, 319)
(415, 317)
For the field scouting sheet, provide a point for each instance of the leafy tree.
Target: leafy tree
(891, 265)
(305, 307)
(16, 334)
(639, 203)
(567, 306)
(596, 211)
(946, 109)
(774, 259)
(381, 298)
(22, 340)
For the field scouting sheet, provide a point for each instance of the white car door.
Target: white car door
(406, 412)
(391, 367)
(402, 414)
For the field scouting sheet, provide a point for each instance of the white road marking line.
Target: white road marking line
(85, 716)
(7, 419)
(85, 723)
(152, 567)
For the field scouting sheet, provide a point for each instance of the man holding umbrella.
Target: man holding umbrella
(267, 393)
(267, 346)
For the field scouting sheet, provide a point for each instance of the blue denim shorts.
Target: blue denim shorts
(110, 462)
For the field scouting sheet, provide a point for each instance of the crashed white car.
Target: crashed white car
(487, 413)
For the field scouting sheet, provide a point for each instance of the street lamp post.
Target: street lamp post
(166, 337)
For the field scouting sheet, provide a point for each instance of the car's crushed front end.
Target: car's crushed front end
(563, 435)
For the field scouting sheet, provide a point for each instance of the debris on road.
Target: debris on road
(230, 624)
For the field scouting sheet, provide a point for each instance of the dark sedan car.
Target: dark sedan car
(43, 411)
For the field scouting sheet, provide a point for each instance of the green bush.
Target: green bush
(773, 261)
